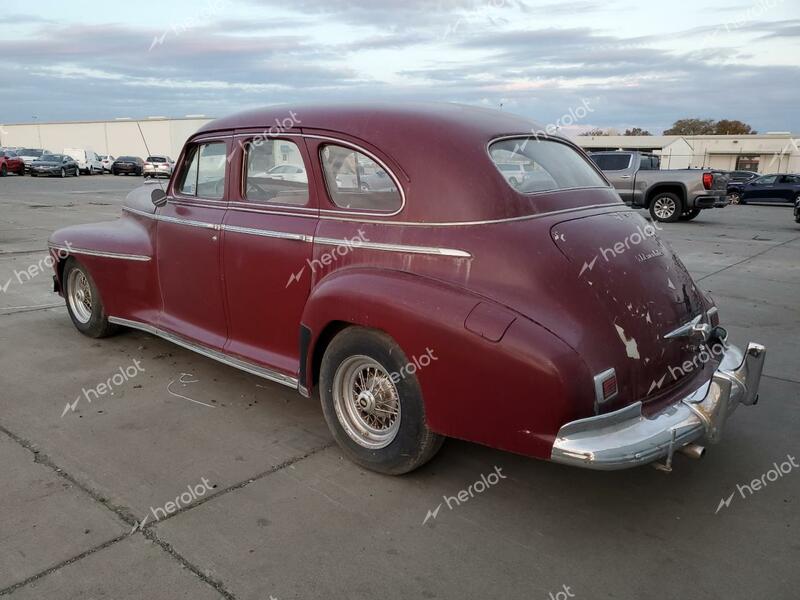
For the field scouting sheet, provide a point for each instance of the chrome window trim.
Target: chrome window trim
(558, 140)
(175, 189)
(238, 363)
(368, 154)
(100, 253)
(242, 191)
(394, 247)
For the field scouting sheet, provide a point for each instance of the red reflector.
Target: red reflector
(609, 387)
(708, 180)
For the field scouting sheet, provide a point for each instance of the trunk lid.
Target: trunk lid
(643, 290)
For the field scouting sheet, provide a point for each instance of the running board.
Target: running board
(209, 353)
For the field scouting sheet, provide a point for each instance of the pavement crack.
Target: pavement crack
(61, 565)
(744, 260)
(237, 486)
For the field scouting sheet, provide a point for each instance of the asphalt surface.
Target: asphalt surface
(276, 512)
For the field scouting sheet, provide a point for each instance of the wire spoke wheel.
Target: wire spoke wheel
(79, 295)
(367, 402)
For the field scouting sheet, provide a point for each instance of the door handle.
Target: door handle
(625, 177)
(214, 238)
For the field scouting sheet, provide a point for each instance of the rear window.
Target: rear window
(611, 162)
(156, 159)
(543, 165)
(357, 182)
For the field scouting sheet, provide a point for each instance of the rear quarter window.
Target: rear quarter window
(543, 165)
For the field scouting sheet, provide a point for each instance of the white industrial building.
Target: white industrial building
(120, 137)
(763, 153)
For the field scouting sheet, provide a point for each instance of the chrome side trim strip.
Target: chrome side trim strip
(393, 247)
(267, 233)
(85, 252)
(237, 363)
(433, 251)
(618, 206)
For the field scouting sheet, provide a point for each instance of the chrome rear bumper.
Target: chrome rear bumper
(626, 438)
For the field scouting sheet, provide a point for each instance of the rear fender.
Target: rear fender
(510, 387)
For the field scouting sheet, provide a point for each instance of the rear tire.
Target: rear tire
(666, 207)
(84, 303)
(63, 173)
(3, 171)
(376, 416)
(735, 197)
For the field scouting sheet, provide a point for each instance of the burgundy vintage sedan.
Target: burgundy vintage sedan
(540, 316)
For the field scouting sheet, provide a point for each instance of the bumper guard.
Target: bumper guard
(626, 438)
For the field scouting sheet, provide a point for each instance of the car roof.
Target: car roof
(417, 141)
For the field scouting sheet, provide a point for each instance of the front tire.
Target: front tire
(666, 207)
(376, 415)
(3, 171)
(84, 303)
(63, 173)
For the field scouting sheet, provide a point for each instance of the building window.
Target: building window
(747, 163)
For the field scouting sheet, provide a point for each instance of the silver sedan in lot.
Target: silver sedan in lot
(158, 165)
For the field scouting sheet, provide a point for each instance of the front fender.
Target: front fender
(120, 257)
(513, 393)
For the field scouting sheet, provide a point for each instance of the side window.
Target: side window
(768, 180)
(275, 173)
(357, 182)
(204, 173)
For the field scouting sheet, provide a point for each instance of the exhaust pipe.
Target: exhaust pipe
(695, 451)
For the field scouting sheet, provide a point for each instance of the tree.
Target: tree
(709, 127)
(596, 131)
(691, 127)
(726, 127)
(636, 131)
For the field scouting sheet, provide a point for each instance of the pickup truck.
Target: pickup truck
(669, 195)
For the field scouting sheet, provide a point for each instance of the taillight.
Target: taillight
(606, 388)
(708, 180)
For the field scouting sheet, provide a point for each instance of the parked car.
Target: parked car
(11, 163)
(156, 166)
(128, 165)
(669, 195)
(288, 173)
(514, 173)
(797, 210)
(106, 160)
(28, 155)
(736, 182)
(553, 323)
(55, 164)
(771, 188)
(88, 162)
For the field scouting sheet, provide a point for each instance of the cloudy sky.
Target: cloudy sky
(636, 63)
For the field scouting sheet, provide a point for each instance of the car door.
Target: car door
(620, 171)
(188, 245)
(268, 244)
(760, 189)
(786, 188)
